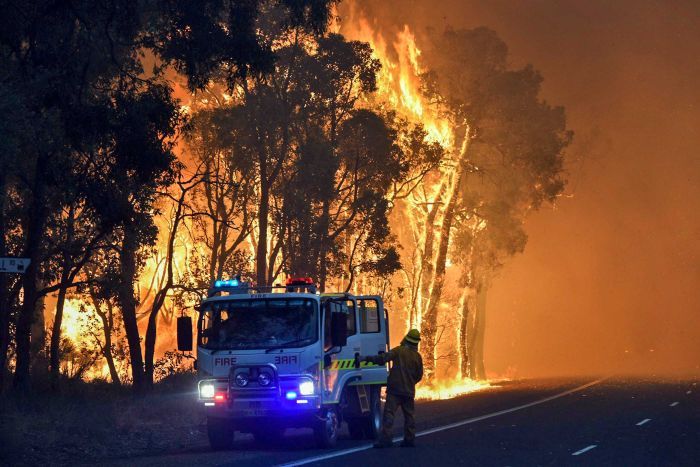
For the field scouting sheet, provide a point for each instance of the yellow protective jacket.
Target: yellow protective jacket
(406, 369)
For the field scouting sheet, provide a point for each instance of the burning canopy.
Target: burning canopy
(370, 160)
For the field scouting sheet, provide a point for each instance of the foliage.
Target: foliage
(172, 363)
(282, 163)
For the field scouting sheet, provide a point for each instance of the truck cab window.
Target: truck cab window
(369, 316)
(352, 327)
(327, 343)
(258, 324)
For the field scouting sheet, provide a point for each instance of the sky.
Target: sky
(610, 279)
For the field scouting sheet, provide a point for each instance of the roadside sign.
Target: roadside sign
(17, 265)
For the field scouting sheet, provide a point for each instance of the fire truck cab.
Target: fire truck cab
(272, 358)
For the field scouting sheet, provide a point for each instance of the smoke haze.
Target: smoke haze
(609, 280)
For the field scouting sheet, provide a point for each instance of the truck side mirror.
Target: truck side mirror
(339, 329)
(184, 334)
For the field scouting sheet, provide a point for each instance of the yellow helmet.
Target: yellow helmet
(413, 336)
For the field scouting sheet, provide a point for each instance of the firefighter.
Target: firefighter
(405, 372)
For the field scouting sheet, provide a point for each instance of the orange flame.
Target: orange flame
(399, 87)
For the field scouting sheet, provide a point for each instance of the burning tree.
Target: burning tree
(510, 161)
(371, 164)
(504, 158)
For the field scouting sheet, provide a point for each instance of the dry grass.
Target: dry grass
(90, 422)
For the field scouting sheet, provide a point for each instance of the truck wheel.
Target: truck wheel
(356, 428)
(269, 436)
(326, 430)
(372, 423)
(220, 432)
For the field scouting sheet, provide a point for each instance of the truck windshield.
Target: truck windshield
(258, 324)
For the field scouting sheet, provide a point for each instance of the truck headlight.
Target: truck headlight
(264, 378)
(242, 379)
(306, 388)
(207, 391)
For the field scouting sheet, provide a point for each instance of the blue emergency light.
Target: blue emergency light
(232, 286)
(228, 283)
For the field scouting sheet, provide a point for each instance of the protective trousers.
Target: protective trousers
(407, 404)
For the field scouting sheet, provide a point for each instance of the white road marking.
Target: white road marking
(468, 421)
(644, 421)
(586, 449)
(674, 404)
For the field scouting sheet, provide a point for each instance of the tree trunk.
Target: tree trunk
(261, 254)
(150, 345)
(107, 328)
(480, 331)
(34, 226)
(4, 296)
(109, 358)
(55, 357)
(427, 267)
(162, 294)
(127, 302)
(464, 333)
(322, 262)
(39, 359)
(471, 332)
(66, 266)
(430, 320)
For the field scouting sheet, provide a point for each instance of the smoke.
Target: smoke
(609, 281)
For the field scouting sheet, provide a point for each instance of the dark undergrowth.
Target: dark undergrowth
(96, 421)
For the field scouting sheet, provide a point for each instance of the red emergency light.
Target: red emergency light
(299, 281)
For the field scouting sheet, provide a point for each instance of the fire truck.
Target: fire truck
(272, 358)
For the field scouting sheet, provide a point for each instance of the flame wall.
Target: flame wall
(608, 281)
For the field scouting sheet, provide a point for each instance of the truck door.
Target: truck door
(373, 333)
(354, 342)
(341, 360)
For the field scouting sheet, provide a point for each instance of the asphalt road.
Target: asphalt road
(615, 421)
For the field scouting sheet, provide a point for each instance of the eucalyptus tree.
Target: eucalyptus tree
(61, 57)
(225, 200)
(512, 139)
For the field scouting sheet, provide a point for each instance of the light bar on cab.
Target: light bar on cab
(300, 281)
(232, 286)
(300, 284)
(228, 283)
(235, 282)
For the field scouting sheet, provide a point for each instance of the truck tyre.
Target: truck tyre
(326, 429)
(270, 436)
(220, 432)
(372, 423)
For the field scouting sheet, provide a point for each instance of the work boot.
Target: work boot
(408, 444)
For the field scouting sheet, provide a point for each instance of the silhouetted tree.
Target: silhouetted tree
(225, 200)
(75, 70)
